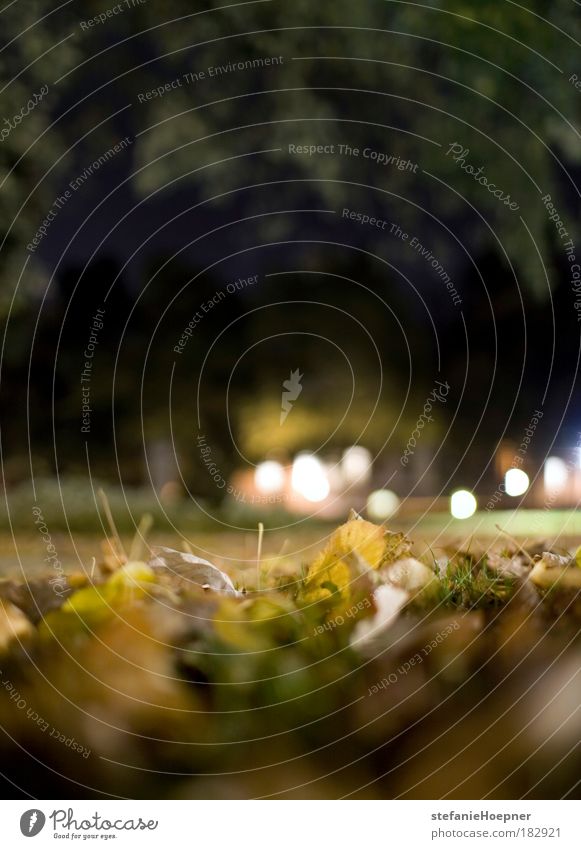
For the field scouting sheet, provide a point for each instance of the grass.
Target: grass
(525, 524)
(468, 583)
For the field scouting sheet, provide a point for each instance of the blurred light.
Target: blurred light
(356, 464)
(382, 504)
(463, 504)
(309, 478)
(269, 477)
(555, 474)
(516, 482)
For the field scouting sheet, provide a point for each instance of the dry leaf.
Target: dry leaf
(388, 601)
(555, 571)
(409, 575)
(13, 625)
(189, 569)
(352, 548)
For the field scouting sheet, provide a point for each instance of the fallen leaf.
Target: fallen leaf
(556, 571)
(355, 546)
(35, 598)
(14, 625)
(508, 566)
(191, 569)
(388, 601)
(409, 575)
(93, 605)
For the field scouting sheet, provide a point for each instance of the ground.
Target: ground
(350, 664)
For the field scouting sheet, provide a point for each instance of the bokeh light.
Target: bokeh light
(516, 482)
(309, 478)
(463, 504)
(381, 504)
(356, 464)
(555, 474)
(269, 477)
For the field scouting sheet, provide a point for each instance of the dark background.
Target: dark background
(190, 206)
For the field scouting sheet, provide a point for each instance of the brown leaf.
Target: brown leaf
(36, 598)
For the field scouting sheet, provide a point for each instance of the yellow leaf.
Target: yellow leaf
(355, 544)
(94, 605)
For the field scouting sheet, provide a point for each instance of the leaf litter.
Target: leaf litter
(161, 659)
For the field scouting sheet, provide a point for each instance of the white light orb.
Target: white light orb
(309, 478)
(269, 477)
(463, 504)
(356, 464)
(516, 482)
(555, 474)
(382, 504)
